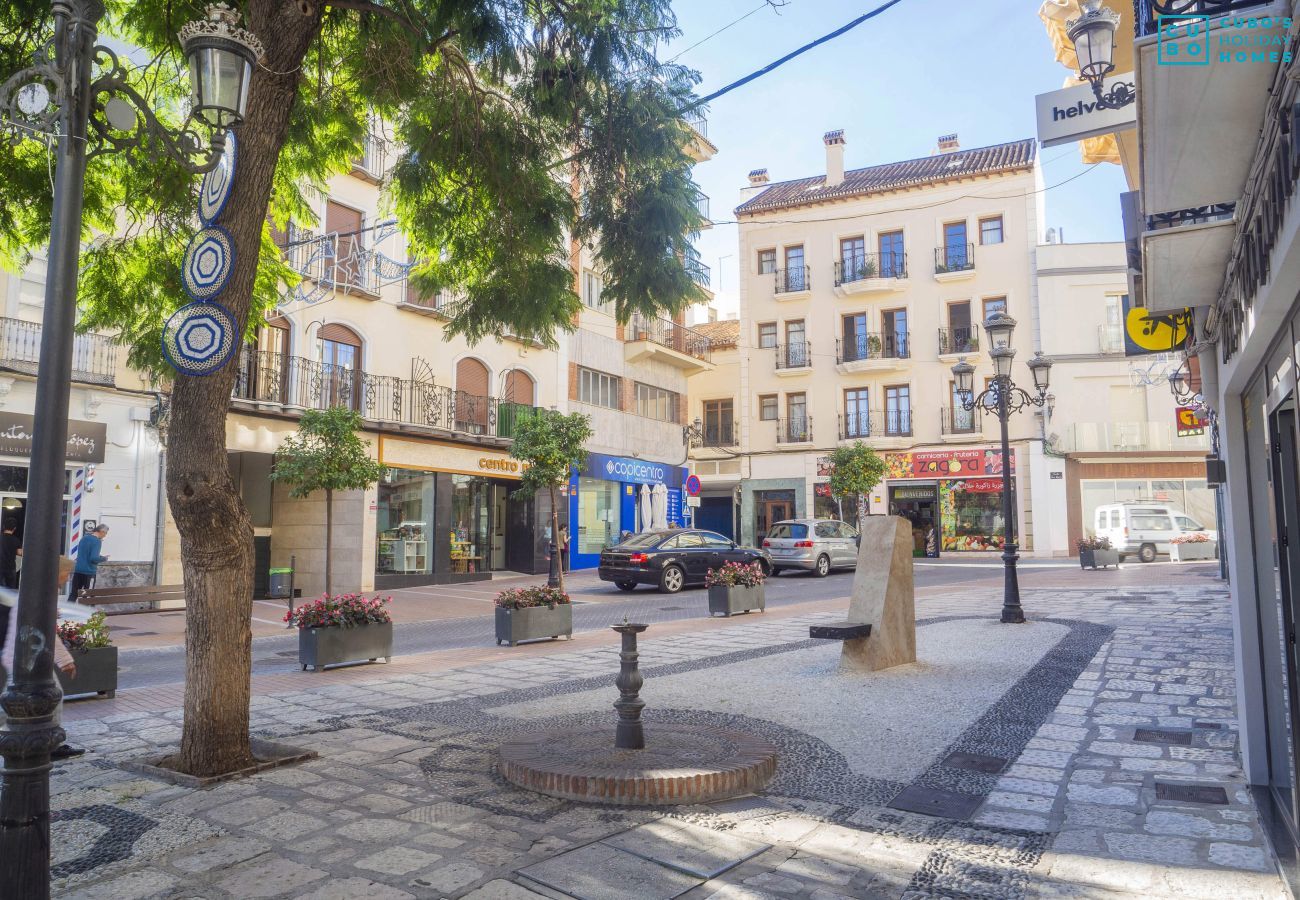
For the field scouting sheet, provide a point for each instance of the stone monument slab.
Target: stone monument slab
(884, 597)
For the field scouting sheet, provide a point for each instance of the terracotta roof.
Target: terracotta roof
(723, 333)
(893, 176)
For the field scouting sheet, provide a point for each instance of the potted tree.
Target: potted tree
(95, 655)
(1097, 551)
(326, 455)
(550, 445)
(736, 587)
(1190, 547)
(533, 613)
(856, 469)
(343, 629)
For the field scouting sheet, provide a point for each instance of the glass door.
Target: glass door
(1285, 465)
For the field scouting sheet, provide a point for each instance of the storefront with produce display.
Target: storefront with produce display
(953, 498)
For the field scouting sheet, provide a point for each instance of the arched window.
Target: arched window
(339, 350)
(471, 396)
(520, 388)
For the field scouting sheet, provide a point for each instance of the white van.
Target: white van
(1144, 528)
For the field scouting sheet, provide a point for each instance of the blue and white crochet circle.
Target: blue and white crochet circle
(215, 190)
(200, 338)
(209, 260)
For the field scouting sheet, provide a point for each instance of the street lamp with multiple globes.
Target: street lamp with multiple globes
(77, 95)
(1002, 397)
(1093, 36)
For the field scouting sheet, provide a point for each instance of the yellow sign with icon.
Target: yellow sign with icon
(1146, 332)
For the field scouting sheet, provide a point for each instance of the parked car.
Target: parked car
(1145, 529)
(673, 559)
(815, 545)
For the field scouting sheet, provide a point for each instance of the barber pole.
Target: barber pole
(78, 488)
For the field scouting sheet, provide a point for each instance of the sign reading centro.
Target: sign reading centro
(433, 456)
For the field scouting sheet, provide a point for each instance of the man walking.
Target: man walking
(11, 547)
(88, 560)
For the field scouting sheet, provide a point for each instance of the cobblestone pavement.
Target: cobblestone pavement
(1098, 762)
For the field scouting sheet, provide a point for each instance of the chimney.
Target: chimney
(948, 143)
(757, 184)
(757, 177)
(713, 314)
(834, 141)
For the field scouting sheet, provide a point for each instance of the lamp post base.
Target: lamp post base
(1012, 612)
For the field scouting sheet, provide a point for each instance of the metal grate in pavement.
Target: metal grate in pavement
(1162, 736)
(1191, 793)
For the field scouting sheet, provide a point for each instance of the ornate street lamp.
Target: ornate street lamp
(77, 93)
(1002, 397)
(1093, 36)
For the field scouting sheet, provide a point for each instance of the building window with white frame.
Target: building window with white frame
(656, 403)
(991, 230)
(592, 286)
(598, 388)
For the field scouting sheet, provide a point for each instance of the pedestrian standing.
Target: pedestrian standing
(88, 560)
(11, 547)
(564, 548)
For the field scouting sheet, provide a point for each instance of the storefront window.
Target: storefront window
(1191, 495)
(404, 511)
(598, 515)
(976, 520)
(469, 524)
(843, 508)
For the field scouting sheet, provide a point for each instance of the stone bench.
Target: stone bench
(840, 631)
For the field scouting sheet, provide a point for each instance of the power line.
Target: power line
(789, 56)
(710, 37)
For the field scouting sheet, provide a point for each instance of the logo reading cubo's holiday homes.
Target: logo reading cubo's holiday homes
(1192, 41)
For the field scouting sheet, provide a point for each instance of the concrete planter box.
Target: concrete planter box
(321, 647)
(534, 623)
(96, 673)
(1092, 559)
(729, 600)
(1190, 552)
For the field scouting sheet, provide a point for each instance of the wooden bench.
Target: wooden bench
(149, 593)
(840, 631)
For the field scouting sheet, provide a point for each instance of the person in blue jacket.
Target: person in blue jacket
(88, 560)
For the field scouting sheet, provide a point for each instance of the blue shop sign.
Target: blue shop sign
(635, 471)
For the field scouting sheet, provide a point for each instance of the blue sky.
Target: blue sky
(894, 84)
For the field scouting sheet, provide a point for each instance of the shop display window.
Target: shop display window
(404, 523)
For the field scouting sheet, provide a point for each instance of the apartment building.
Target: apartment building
(715, 404)
(859, 290)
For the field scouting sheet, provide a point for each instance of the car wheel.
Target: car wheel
(671, 579)
(626, 585)
(823, 567)
(766, 568)
(1147, 553)
(776, 570)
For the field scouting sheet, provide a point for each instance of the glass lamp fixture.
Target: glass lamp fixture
(963, 376)
(1093, 36)
(221, 57)
(1003, 357)
(1041, 368)
(999, 327)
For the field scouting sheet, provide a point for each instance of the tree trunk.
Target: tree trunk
(216, 534)
(555, 535)
(329, 542)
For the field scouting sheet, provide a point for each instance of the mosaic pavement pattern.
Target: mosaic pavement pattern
(1067, 785)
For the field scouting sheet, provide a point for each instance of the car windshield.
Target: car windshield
(645, 539)
(785, 530)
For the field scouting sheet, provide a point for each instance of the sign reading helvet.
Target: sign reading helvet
(86, 440)
(1072, 114)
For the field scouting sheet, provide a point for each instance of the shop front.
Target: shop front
(953, 498)
(448, 513)
(616, 495)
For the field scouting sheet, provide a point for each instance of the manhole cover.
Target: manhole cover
(937, 802)
(976, 762)
(1191, 793)
(1162, 736)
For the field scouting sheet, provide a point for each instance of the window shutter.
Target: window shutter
(339, 334)
(472, 377)
(519, 387)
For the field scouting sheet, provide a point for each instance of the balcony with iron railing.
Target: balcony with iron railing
(373, 162)
(331, 260)
(794, 357)
(954, 341)
(797, 430)
(1110, 338)
(718, 434)
(956, 421)
(953, 262)
(702, 207)
(94, 356)
(437, 304)
(1147, 13)
(890, 423)
(667, 341)
(295, 383)
(699, 271)
(871, 273)
(870, 346)
(791, 283)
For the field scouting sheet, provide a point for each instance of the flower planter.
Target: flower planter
(321, 647)
(96, 673)
(731, 599)
(533, 623)
(1190, 552)
(1092, 559)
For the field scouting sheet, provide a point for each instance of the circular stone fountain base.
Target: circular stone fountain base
(681, 764)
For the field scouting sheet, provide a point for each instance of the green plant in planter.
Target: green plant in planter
(735, 574)
(873, 346)
(1093, 543)
(89, 635)
(528, 597)
(868, 269)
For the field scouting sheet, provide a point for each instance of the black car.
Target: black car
(673, 559)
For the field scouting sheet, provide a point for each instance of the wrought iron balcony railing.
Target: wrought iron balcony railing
(792, 280)
(870, 265)
(956, 420)
(94, 356)
(855, 425)
(796, 355)
(797, 430)
(374, 156)
(331, 260)
(867, 345)
(669, 334)
(702, 205)
(295, 382)
(1146, 13)
(954, 258)
(699, 271)
(698, 122)
(719, 434)
(437, 303)
(876, 423)
(897, 422)
(959, 340)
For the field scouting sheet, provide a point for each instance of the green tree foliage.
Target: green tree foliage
(551, 445)
(326, 455)
(856, 469)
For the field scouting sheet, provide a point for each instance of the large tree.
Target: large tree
(856, 469)
(525, 125)
(551, 446)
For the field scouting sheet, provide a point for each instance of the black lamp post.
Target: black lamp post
(77, 92)
(1003, 397)
(1093, 36)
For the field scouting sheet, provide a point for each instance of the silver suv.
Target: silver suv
(817, 545)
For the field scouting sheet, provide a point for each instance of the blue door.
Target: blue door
(715, 514)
